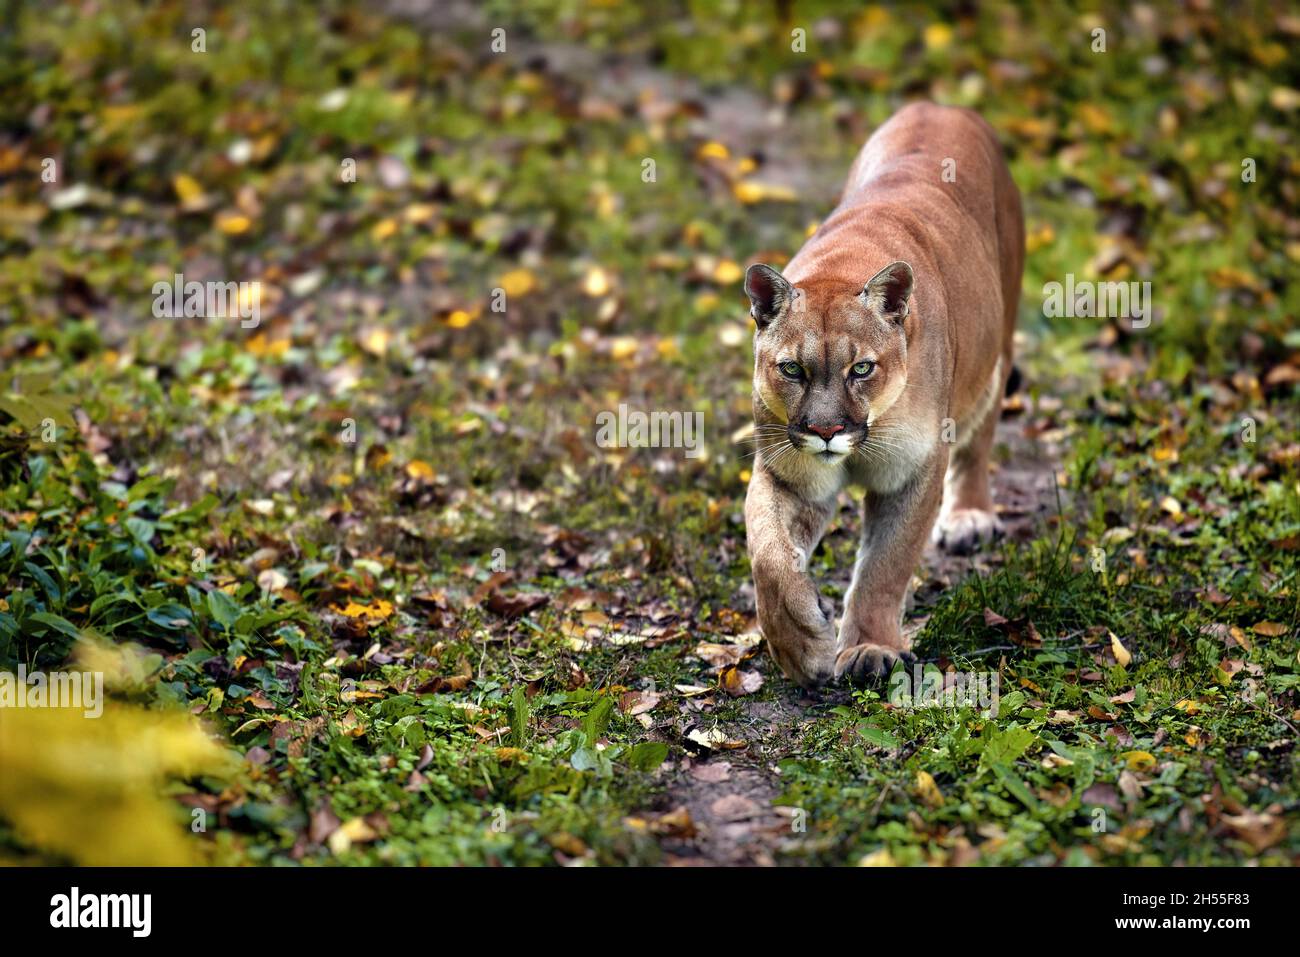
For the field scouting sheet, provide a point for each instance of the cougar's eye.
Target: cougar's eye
(863, 369)
(791, 370)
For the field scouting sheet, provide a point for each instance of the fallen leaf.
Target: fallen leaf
(927, 791)
(739, 683)
(1119, 651)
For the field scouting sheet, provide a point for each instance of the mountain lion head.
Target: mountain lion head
(829, 359)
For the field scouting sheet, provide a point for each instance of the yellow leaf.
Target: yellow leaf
(232, 224)
(459, 319)
(938, 36)
(125, 666)
(727, 272)
(1119, 651)
(355, 831)
(1036, 240)
(383, 229)
(518, 282)
(259, 345)
(623, 347)
(1095, 119)
(187, 188)
(1139, 760)
(713, 150)
(379, 611)
(927, 790)
(420, 212)
(375, 341)
(749, 192)
(93, 790)
(420, 470)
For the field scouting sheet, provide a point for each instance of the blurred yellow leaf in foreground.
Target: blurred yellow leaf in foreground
(91, 789)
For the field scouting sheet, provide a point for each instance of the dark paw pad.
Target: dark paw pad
(864, 662)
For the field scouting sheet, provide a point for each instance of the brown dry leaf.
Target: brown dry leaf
(739, 683)
(516, 605)
(444, 683)
(298, 734)
(1058, 795)
(1238, 637)
(493, 582)
(324, 822)
(566, 843)
(1282, 375)
(674, 823)
(714, 739)
(638, 702)
(1129, 785)
(717, 655)
(1019, 631)
(1230, 666)
(1270, 629)
(1101, 794)
(1260, 831)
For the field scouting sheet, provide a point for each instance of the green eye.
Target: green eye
(791, 370)
(863, 369)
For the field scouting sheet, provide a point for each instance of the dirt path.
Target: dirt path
(729, 794)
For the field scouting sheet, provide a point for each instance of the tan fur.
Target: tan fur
(919, 279)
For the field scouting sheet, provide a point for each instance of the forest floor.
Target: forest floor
(401, 607)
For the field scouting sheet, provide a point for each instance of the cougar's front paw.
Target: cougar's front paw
(861, 662)
(963, 530)
(802, 642)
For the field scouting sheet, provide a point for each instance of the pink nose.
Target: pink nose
(826, 431)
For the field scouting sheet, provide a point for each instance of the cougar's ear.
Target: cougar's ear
(889, 289)
(768, 293)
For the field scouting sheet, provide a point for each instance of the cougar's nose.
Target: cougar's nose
(825, 431)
